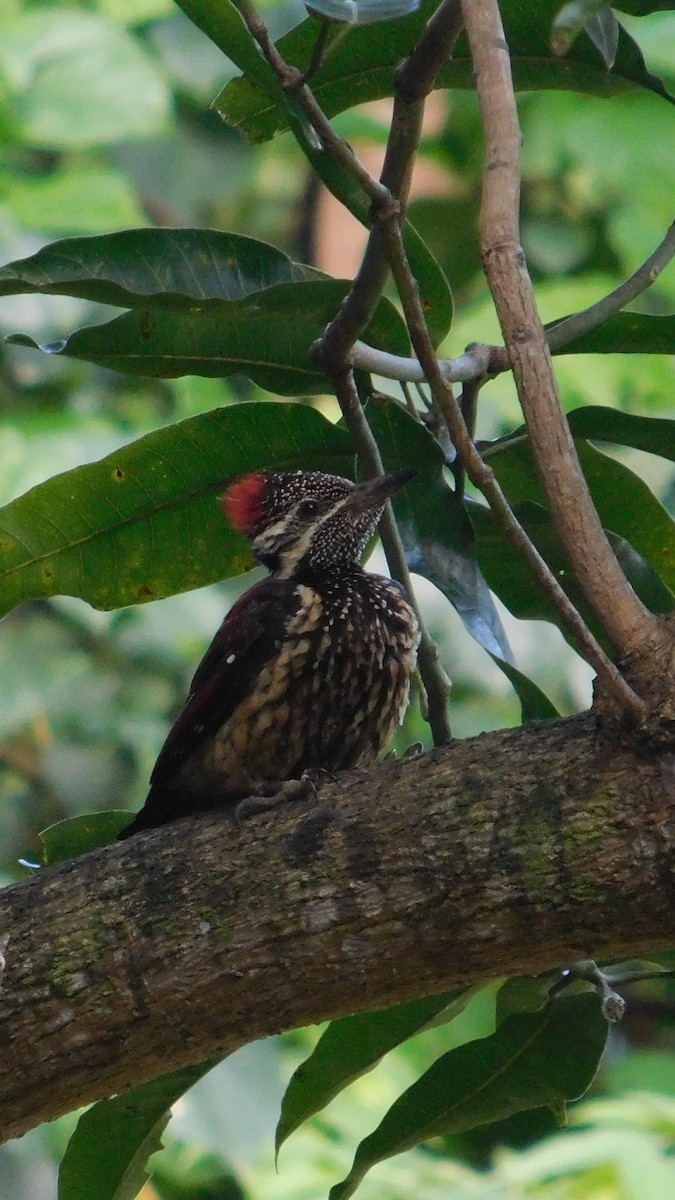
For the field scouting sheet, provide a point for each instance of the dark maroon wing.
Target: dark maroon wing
(250, 635)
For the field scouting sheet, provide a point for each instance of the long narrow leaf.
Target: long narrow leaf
(626, 333)
(534, 1059)
(656, 435)
(267, 336)
(624, 502)
(107, 1155)
(534, 704)
(147, 267)
(143, 522)
(353, 1045)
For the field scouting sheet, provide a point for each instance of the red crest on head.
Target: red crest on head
(243, 502)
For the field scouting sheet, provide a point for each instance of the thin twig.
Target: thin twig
(579, 323)
(318, 50)
(473, 364)
(480, 360)
(335, 346)
(468, 406)
(416, 75)
(482, 476)
(414, 80)
(613, 1005)
(292, 81)
(433, 676)
(332, 352)
(621, 613)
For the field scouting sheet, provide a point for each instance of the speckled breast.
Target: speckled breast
(333, 694)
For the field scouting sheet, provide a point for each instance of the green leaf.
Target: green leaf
(624, 502)
(633, 970)
(512, 580)
(534, 704)
(534, 1059)
(266, 336)
(363, 67)
(436, 534)
(106, 1156)
(144, 267)
(353, 1045)
(656, 435)
(78, 835)
(144, 522)
(78, 80)
(525, 993)
(221, 21)
(76, 197)
(625, 333)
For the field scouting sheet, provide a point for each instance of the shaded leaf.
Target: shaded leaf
(524, 993)
(534, 704)
(656, 435)
(153, 266)
(267, 336)
(223, 24)
(78, 835)
(353, 1045)
(534, 1059)
(144, 522)
(434, 527)
(107, 1154)
(510, 577)
(634, 970)
(624, 333)
(624, 502)
(363, 67)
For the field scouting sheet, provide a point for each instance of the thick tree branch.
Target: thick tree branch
(628, 623)
(514, 852)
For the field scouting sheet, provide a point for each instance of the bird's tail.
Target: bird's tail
(159, 808)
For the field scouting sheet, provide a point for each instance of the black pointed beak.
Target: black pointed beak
(374, 493)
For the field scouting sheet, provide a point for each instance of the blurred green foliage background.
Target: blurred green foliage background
(105, 124)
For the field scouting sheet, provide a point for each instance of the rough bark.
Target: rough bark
(509, 853)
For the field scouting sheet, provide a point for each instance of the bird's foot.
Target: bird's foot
(412, 751)
(275, 792)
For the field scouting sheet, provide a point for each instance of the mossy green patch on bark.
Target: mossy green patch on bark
(583, 833)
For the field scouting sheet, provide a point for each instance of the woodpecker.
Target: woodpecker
(310, 669)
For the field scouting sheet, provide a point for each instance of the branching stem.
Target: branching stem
(483, 477)
(569, 328)
(628, 623)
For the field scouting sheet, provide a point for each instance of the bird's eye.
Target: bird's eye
(309, 508)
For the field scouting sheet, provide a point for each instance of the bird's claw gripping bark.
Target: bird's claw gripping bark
(270, 795)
